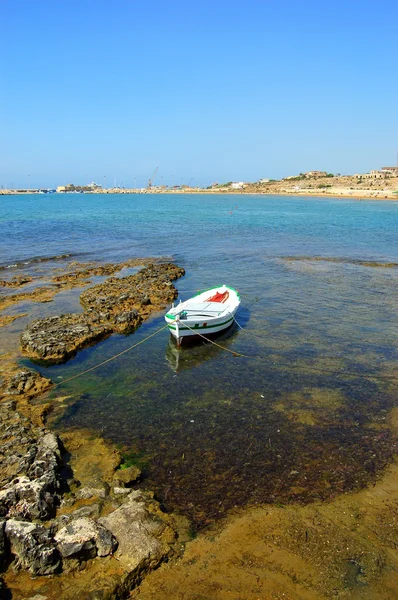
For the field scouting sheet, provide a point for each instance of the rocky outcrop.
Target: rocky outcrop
(114, 300)
(125, 477)
(144, 537)
(118, 305)
(27, 382)
(83, 539)
(2, 546)
(15, 282)
(135, 536)
(29, 462)
(33, 547)
(55, 339)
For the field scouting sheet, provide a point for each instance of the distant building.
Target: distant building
(237, 185)
(93, 186)
(375, 175)
(263, 180)
(316, 174)
(390, 170)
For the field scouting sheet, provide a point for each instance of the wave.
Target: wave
(338, 259)
(34, 260)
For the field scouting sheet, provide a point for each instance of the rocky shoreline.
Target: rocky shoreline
(73, 519)
(75, 522)
(118, 305)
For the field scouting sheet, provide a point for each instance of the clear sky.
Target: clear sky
(208, 90)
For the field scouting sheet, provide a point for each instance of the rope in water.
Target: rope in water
(112, 357)
(314, 369)
(218, 345)
(233, 352)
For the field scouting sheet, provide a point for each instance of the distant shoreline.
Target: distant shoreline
(354, 194)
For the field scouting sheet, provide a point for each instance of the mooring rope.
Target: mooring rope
(233, 352)
(112, 357)
(218, 345)
(246, 331)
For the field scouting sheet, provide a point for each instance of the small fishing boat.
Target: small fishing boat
(208, 312)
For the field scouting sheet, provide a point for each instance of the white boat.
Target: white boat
(208, 312)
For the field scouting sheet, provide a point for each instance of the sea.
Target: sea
(292, 404)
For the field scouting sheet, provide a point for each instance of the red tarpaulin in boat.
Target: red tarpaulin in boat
(219, 297)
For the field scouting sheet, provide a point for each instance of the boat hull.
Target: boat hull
(197, 316)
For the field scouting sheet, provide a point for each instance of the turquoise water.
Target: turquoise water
(303, 415)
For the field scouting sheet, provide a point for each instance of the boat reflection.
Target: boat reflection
(196, 350)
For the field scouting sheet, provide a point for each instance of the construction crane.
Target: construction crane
(151, 181)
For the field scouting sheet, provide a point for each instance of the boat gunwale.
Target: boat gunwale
(225, 306)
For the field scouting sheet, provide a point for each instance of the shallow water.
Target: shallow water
(303, 414)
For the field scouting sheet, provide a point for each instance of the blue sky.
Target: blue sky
(208, 90)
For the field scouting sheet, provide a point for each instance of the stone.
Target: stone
(144, 536)
(55, 339)
(29, 464)
(33, 547)
(121, 491)
(123, 477)
(28, 382)
(83, 539)
(99, 489)
(117, 305)
(2, 545)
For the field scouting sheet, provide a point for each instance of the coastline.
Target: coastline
(319, 186)
(284, 547)
(73, 515)
(355, 195)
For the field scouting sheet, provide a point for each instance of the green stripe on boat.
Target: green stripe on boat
(182, 328)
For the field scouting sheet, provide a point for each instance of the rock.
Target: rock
(118, 305)
(55, 339)
(33, 547)
(28, 499)
(100, 489)
(2, 546)
(28, 382)
(83, 539)
(121, 491)
(122, 302)
(29, 464)
(126, 476)
(143, 534)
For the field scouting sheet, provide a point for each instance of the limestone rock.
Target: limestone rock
(33, 547)
(58, 338)
(2, 545)
(29, 464)
(28, 382)
(123, 477)
(119, 305)
(143, 534)
(83, 539)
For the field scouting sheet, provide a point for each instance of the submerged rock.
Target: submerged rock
(125, 477)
